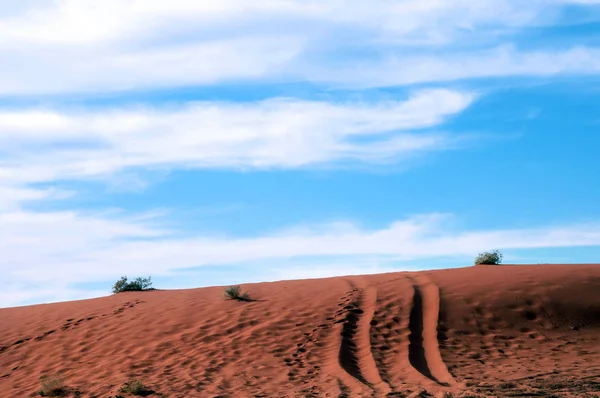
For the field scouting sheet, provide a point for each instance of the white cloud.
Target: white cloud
(85, 45)
(48, 70)
(43, 145)
(499, 62)
(74, 22)
(586, 2)
(101, 247)
(12, 295)
(13, 197)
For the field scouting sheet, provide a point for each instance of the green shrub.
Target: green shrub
(53, 386)
(137, 285)
(235, 293)
(136, 387)
(492, 258)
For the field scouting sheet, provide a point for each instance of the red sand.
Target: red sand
(484, 331)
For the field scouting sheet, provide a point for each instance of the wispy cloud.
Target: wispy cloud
(72, 22)
(13, 197)
(42, 145)
(101, 247)
(83, 46)
(45, 70)
(505, 61)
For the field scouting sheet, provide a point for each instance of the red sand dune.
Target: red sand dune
(485, 331)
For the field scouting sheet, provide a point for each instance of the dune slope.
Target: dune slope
(478, 331)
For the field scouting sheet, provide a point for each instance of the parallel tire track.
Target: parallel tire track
(339, 352)
(424, 353)
(355, 366)
(355, 356)
(364, 355)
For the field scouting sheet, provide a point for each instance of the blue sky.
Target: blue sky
(210, 143)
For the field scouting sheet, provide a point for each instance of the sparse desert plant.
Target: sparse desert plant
(136, 387)
(489, 258)
(137, 285)
(53, 386)
(235, 293)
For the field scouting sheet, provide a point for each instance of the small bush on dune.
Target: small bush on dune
(136, 387)
(53, 386)
(235, 293)
(489, 258)
(137, 285)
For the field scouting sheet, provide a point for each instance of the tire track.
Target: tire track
(347, 356)
(347, 385)
(416, 347)
(355, 355)
(424, 353)
(351, 359)
(390, 336)
(366, 360)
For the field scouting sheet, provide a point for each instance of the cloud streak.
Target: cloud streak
(504, 61)
(100, 247)
(45, 145)
(84, 46)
